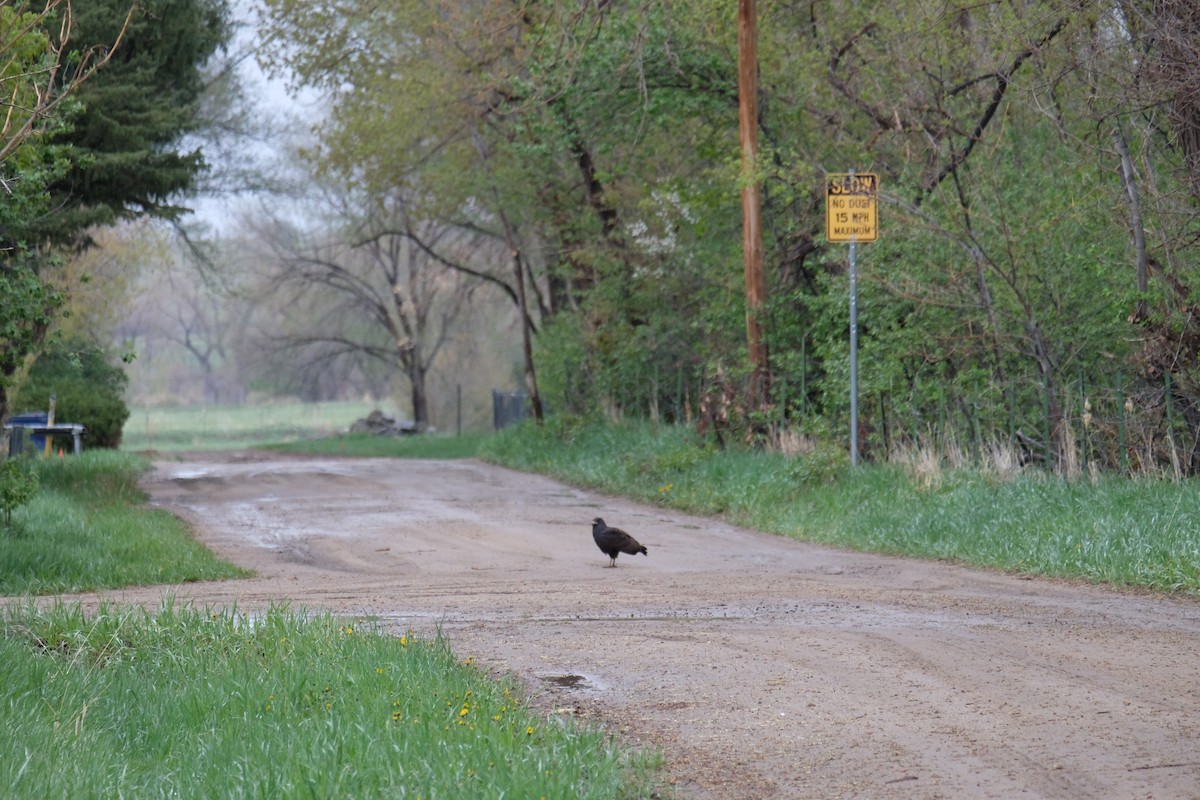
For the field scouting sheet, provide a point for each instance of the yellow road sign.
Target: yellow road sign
(851, 207)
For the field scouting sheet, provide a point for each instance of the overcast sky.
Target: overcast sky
(283, 117)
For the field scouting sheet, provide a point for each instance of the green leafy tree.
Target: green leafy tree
(36, 101)
(552, 130)
(27, 308)
(18, 485)
(1037, 161)
(88, 390)
(116, 155)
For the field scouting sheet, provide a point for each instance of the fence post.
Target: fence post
(568, 400)
(1012, 413)
(1124, 455)
(1051, 453)
(1171, 423)
(1083, 413)
(916, 414)
(976, 443)
(883, 425)
(804, 376)
(783, 400)
(653, 410)
(679, 394)
(977, 421)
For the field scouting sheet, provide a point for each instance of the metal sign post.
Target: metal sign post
(851, 215)
(853, 357)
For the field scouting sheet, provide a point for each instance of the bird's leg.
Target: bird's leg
(612, 562)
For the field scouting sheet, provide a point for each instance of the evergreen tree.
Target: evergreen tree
(115, 151)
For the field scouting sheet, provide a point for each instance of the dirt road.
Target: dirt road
(763, 667)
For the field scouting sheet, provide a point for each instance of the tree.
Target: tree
(179, 319)
(370, 285)
(35, 55)
(88, 389)
(27, 307)
(1151, 112)
(113, 157)
(1037, 164)
(125, 161)
(534, 126)
(407, 56)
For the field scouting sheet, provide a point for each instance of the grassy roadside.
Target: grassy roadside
(1117, 531)
(188, 703)
(367, 446)
(167, 429)
(88, 528)
(184, 703)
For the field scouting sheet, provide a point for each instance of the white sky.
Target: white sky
(284, 117)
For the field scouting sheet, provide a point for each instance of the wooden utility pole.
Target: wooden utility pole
(751, 225)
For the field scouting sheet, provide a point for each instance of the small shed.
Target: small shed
(28, 433)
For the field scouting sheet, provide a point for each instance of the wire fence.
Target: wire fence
(508, 408)
(1133, 427)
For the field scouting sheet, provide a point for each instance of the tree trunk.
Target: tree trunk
(1054, 416)
(1133, 200)
(420, 398)
(510, 238)
(531, 385)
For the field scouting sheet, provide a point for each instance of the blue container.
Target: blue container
(36, 419)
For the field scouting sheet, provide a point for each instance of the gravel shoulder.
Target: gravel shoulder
(762, 667)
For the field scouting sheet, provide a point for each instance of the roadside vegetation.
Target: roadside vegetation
(86, 527)
(363, 445)
(222, 427)
(1107, 529)
(315, 428)
(181, 702)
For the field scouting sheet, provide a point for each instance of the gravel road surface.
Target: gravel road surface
(762, 667)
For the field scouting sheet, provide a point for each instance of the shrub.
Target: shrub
(88, 389)
(823, 464)
(18, 485)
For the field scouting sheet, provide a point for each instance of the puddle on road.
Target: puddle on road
(571, 682)
(566, 681)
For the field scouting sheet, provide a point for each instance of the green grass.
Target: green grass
(314, 428)
(232, 427)
(368, 446)
(89, 528)
(1117, 531)
(190, 704)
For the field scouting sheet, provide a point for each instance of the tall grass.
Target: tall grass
(1119, 531)
(89, 528)
(190, 704)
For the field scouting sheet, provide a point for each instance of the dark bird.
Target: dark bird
(612, 541)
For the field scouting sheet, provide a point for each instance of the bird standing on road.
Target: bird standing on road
(614, 540)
